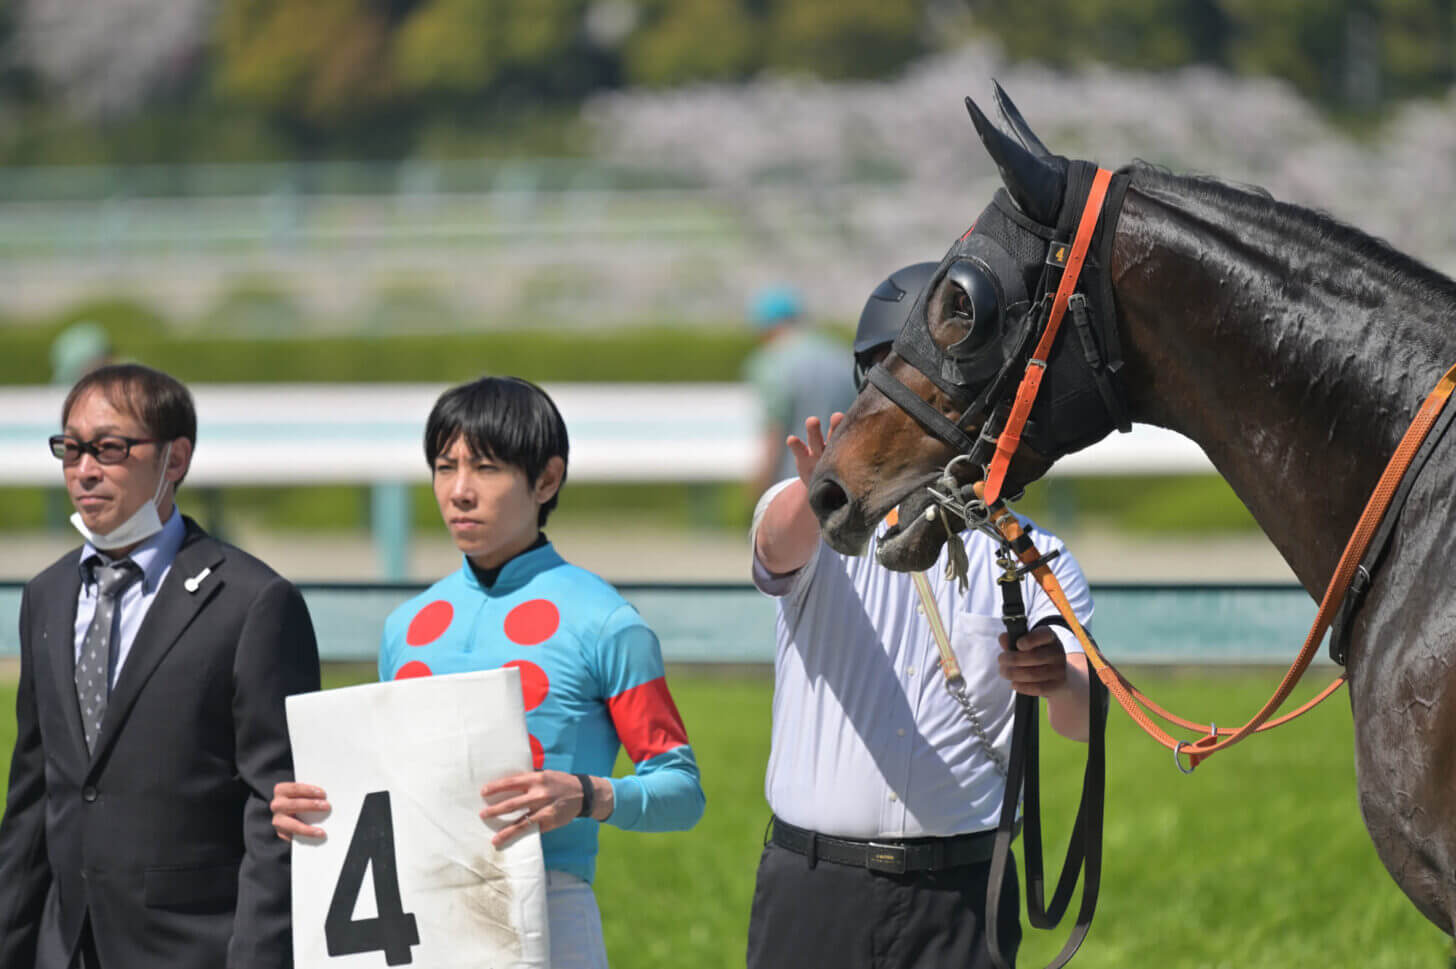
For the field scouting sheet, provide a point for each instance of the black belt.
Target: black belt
(892, 855)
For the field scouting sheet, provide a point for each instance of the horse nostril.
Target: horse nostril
(826, 497)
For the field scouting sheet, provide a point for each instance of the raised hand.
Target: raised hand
(807, 449)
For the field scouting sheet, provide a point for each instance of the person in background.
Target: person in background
(794, 376)
(77, 350)
(154, 663)
(885, 793)
(591, 669)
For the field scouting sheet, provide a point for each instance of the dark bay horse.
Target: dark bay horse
(1293, 348)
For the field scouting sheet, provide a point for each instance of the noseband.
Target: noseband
(1012, 336)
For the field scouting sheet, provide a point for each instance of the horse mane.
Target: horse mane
(1318, 230)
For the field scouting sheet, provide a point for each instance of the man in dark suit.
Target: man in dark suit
(154, 665)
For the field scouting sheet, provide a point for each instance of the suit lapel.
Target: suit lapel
(58, 639)
(172, 611)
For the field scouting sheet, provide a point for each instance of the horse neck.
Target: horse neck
(1290, 349)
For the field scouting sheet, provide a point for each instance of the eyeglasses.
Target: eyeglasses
(110, 449)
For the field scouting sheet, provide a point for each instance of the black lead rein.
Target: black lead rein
(1023, 786)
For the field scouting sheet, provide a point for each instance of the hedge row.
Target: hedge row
(639, 354)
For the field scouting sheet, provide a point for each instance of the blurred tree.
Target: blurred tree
(110, 58)
(1353, 54)
(449, 47)
(462, 47)
(1148, 34)
(1417, 44)
(319, 63)
(382, 78)
(836, 39)
(1303, 41)
(16, 82)
(681, 41)
(366, 76)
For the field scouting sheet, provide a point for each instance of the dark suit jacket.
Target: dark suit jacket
(163, 833)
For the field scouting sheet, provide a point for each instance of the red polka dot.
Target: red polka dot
(532, 622)
(429, 623)
(538, 753)
(534, 684)
(413, 669)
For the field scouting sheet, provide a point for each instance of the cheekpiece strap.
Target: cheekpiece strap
(1036, 367)
(926, 416)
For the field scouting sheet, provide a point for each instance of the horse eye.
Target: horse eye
(961, 304)
(971, 295)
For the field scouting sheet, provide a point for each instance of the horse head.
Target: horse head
(945, 388)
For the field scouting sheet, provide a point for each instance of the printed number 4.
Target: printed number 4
(393, 930)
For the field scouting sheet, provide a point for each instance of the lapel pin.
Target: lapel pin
(192, 583)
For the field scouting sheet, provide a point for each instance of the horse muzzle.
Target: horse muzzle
(912, 540)
(841, 518)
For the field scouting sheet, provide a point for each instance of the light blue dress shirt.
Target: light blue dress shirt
(155, 557)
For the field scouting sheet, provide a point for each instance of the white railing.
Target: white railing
(306, 434)
(282, 434)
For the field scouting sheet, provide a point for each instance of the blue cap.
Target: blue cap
(776, 304)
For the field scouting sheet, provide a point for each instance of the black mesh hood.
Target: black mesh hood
(1079, 402)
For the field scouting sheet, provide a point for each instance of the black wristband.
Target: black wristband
(587, 795)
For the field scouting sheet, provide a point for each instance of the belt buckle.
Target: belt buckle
(886, 858)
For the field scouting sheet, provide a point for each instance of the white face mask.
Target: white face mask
(142, 525)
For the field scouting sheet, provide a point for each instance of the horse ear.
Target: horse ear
(1035, 183)
(1018, 124)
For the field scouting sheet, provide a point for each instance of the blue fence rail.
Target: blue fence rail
(733, 623)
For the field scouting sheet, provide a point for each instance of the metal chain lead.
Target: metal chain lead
(953, 498)
(957, 689)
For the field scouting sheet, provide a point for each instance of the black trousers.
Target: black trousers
(839, 917)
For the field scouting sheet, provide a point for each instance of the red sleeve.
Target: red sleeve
(647, 720)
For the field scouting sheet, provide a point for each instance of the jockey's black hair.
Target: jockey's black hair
(505, 419)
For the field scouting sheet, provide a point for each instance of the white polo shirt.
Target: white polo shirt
(867, 742)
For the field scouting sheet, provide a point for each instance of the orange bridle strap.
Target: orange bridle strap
(1010, 438)
(1214, 738)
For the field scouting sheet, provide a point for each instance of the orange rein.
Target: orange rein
(1010, 438)
(1131, 699)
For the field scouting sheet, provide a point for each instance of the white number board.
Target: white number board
(407, 875)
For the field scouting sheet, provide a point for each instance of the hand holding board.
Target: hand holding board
(407, 874)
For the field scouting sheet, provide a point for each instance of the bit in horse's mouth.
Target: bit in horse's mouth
(912, 542)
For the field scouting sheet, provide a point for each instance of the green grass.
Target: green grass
(1259, 859)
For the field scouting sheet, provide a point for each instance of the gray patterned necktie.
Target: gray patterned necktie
(93, 666)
